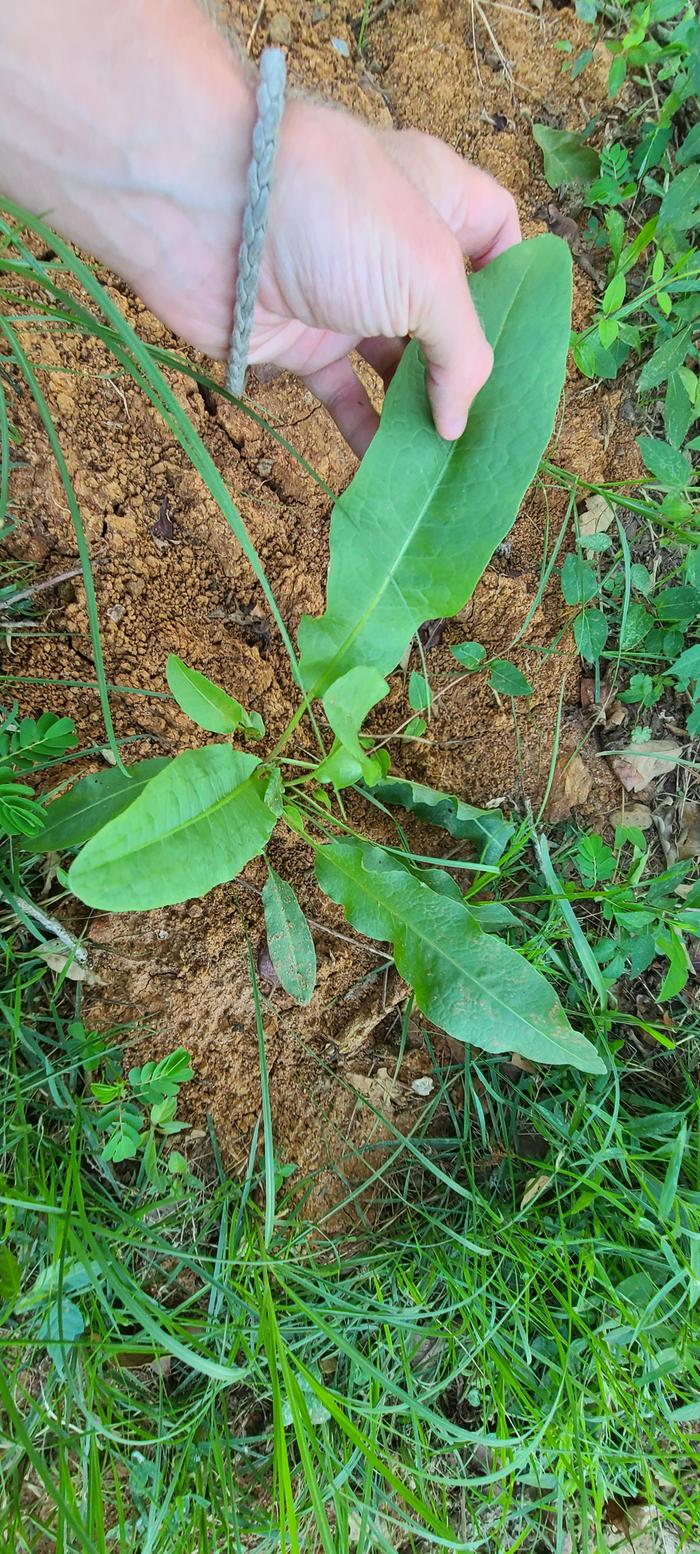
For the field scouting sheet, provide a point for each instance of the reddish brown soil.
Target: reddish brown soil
(477, 75)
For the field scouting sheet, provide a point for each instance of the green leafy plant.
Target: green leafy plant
(431, 515)
(138, 1112)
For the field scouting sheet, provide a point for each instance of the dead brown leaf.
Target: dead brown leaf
(65, 962)
(616, 715)
(632, 815)
(535, 1186)
(689, 836)
(379, 1089)
(571, 785)
(595, 518)
(639, 765)
(524, 1064)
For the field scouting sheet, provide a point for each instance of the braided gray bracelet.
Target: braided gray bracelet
(270, 104)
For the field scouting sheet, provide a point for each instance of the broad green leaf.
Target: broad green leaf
(678, 605)
(680, 206)
(90, 803)
(687, 667)
(578, 580)
(637, 623)
(667, 358)
(469, 654)
(567, 159)
(62, 1326)
(507, 679)
(467, 982)
(207, 705)
(289, 940)
(194, 826)
(590, 634)
(490, 915)
(420, 696)
(666, 464)
(678, 970)
(346, 705)
(690, 149)
(486, 827)
(679, 411)
(422, 517)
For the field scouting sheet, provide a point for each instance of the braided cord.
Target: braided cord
(270, 104)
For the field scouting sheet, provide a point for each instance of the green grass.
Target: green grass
(508, 1344)
(508, 1339)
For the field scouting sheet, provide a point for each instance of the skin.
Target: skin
(130, 127)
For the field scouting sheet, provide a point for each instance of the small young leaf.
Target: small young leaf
(289, 940)
(507, 679)
(567, 159)
(578, 580)
(608, 331)
(614, 294)
(415, 728)
(193, 826)
(346, 704)
(469, 983)
(420, 696)
(678, 970)
(590, 634)
(616, 75)
(274, 792)
(207, 705)
(74, 817)
(469, 654)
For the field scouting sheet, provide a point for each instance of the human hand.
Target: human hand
(132, 128)
(366, 243)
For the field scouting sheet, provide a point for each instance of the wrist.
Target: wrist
(131, 130)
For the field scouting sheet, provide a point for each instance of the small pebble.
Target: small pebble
(279, 31)
(341, 47)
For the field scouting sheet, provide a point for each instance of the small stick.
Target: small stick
(254, 28)
(40, 588)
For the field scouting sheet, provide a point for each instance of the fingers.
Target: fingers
(347, 401)
(482, 214)
(458, 356)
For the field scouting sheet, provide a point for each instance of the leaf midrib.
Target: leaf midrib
(183, 825)
(389, 578)
(439, 949)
